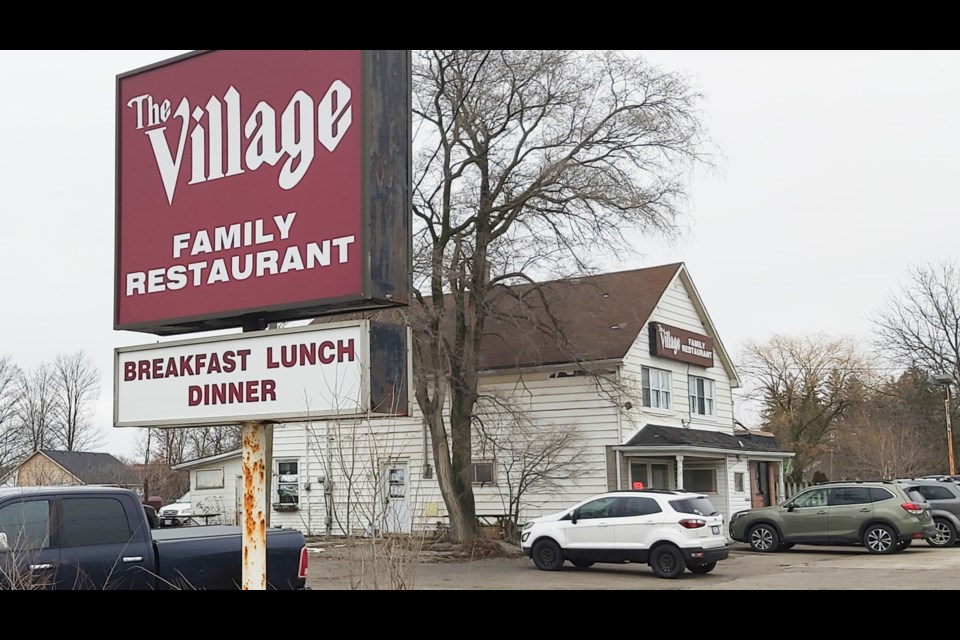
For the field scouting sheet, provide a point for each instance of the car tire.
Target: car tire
(902, 545)
(547, 555)
(880, 539)
(783, 546)
(764, 538)
(581, 564)
(702, 567)
(667, 561)
(946, 535)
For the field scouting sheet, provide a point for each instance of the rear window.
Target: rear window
(695, 506)
(878, 494)
(914, 494)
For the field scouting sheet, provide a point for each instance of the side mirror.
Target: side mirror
(790, 507)
(575, 516)
(3, 542)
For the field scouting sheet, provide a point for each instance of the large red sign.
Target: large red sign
(244, 187)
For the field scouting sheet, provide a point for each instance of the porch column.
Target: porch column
(781, 490)
(679, 459)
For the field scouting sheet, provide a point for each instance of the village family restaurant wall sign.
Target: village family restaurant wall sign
(679, 344)
(341, 369)
(269, 184)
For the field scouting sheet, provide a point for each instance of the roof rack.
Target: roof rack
(882, 480)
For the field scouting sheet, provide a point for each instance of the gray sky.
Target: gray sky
(838, 175)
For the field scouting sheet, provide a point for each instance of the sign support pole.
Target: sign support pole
(257, 437)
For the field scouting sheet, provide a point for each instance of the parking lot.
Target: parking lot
(802, 568)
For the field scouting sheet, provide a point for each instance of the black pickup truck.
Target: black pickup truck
(93, 538)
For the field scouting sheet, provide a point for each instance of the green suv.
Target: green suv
(883, 516)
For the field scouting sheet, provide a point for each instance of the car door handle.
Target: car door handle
(865, 510)
(133, 558)
(38, 567)
(821, 511)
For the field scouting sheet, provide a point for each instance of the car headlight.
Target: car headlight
(527, 525)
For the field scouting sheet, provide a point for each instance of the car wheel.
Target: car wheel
(667, 561)
(945, 536)
(703, 567)
(879, 538)
(764, 538)
(547, 555)
(582, 564)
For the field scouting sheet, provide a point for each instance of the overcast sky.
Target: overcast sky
(839, 174)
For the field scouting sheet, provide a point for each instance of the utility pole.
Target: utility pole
(947, 382)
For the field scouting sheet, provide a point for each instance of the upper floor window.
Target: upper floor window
(656, 388)
(701, 396)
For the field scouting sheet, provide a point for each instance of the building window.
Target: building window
(701, 480)
(648, 475)
(656, 388)
(483, 473)
(210, 478)
(701, 396)
(738, 482)
(288, 482)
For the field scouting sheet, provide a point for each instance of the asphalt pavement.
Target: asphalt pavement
(801, 568)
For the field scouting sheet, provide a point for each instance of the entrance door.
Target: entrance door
(397, 511)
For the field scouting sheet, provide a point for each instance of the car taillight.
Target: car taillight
(912, 507)
(692, 523)
(302, 573)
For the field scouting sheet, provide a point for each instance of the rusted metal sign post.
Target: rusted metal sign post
(256, 503)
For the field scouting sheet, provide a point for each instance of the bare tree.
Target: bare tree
(804, 387)
(9, 449)
(920, 324)
(529, 456)
(895, 430)
(210, 441)
(530, 162)
(77, 386)
(37, 407)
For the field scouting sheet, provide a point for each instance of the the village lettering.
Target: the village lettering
(216, 126)
(679, 344)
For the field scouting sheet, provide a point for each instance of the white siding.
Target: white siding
(217, 500)
(739, 500)
(676, 309)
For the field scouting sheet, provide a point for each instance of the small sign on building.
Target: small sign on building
(679, 344)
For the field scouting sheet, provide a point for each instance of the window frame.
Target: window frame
(709, 399)
(493, 473)
(282, 500)
(647, 388)
(714, 479)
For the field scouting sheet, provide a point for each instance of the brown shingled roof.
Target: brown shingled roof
(584, 319)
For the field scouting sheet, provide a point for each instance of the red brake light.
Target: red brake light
(912, 507)
(692, 523)
(302, 573)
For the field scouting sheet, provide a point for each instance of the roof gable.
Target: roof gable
(683, 276)
(92, 468)
(573, 320)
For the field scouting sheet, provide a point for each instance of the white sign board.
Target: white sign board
(281, 375)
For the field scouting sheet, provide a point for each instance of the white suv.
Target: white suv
(669, 530)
